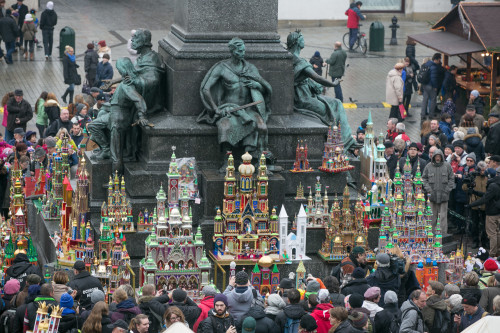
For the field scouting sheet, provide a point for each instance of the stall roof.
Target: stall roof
(483, 20)
(447, 42)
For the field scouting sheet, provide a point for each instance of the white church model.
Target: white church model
(294, 245)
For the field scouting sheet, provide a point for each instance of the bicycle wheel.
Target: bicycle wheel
(345, 39)
(362, 45)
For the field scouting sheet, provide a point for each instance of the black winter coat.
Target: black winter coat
(70, 321)
(48, 20)
(23, 10)
(150, 305)
(56, 126)
(84, 284)
(474, 145)
(292, 311)
(21, 268)
(358, 286)
(69, 70)
(492, 199)
(383, 319)
(410, 53)
(91, 60)
(214, 324)
(190, 310)
(491, 145)
(32, 308)
(22, 110)
(344, 327)
(385, 280)
(9, 30)
(318, 61)
(468, 292)
(264, 324)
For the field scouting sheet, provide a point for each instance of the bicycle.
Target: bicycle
(360, 41)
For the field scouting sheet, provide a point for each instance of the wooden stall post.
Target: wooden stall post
(493, 85)
(468, 73)
(445, 60)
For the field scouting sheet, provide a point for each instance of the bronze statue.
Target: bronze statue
(137, 94)
(308, 88)
(236, 99)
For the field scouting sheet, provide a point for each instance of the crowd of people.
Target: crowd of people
(355, 298)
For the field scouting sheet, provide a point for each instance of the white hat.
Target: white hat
(50, 5)
(28, 18)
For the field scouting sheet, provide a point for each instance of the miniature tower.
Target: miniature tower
(380, 163)
(300, 274)
(173, 182)
(301, 232)
(301, 163)
(283, 229)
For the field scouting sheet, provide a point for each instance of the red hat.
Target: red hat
(102, 43)
(490, 265)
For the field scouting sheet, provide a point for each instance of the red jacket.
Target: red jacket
(353, 17)
(206, 304)
(391, 135)
(322, 316)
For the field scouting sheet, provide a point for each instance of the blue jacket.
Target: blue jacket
(104, 71)
(468, 320)
(446, 129)
(437, 74)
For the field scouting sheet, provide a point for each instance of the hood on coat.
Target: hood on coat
(322, 311)
(51, 102)
(384, 275)
(208, 301)
(440, 153)
(294, 311)
(472, 140)
(356, 282)
(20, 265)
(408, 305)
(256, 312)
(394, 72)
(145, 299)
(244, 297)
(435, 302)
(59, 287)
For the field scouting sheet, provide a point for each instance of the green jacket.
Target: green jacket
(337, 63)
(41, 116)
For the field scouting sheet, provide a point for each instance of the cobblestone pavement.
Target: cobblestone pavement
(112, 20)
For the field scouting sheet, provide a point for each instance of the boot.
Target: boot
(64, 96)
(32, 56)
(25, 55)
(71, 92)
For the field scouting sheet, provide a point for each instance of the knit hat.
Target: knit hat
(413, 145)
(323, 295)
(313, 286)
(79, 265)
(33, 279)
(29, 134)
(458, 143)
(490, 265)
(249, 325)
(469, 300)
(50, 5)
(475, 93)
(220, 298)
(449, 146)
(455, 300)
(495, 115)
(96, 296)
(12, 287)
(356, 301)
(390, 297)
(28, 18)
(19, 131)
(179, 295)
(482, 254)
(79, 107)
(359, 273)
(308, 323)
(34, 290)
(100, 97)
(358, 319)
(209, 291)
(360, 130)
(66, 301)
(372, 292)
(102, 43)
(317, 54)
(364, 123)
(495, 158)
(51, 143)
(383, 260)
(286, 284)
(18, 92)
(358, 250)
(241, 278)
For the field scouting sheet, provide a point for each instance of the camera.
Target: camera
(470, 179)
(397, 265)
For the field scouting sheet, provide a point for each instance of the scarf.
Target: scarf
(71, 57)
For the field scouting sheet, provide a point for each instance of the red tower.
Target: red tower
(301, 163)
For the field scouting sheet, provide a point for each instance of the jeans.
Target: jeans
(429, 94)
(41, 130)
(406, 103)
(29, 46)
(48, 41)
(71, 87)
(10, 47)
(8, 135)
(353, 36)
(338, 90)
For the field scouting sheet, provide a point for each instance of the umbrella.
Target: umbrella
(487, 324)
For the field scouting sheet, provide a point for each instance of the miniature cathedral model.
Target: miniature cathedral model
(175, 257)
(301, 163)
(293, 246)
(334, 159)
(243, 228)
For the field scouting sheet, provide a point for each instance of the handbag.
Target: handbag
(78, 80)
(86, 88)
(402, 111)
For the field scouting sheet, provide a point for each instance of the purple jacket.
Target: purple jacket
(125, 310)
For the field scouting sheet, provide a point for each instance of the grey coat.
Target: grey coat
(238, 303)
(439, 180)
(411, 320)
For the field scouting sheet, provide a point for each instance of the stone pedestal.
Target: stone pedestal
(198, 39)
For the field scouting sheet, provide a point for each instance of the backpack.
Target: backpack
(442, 320)
(395, 324)
(424, 75)
(292, 325)
(7, 321)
